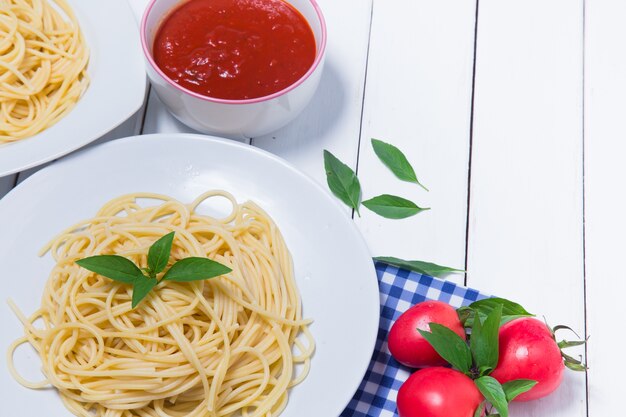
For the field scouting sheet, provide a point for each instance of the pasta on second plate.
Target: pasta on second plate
(228, 346)
(43, 65)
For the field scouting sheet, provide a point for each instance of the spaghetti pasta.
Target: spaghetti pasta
(228, 346)
(43, 61)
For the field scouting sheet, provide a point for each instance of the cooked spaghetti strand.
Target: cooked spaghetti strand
(43, 65)
(227, 346)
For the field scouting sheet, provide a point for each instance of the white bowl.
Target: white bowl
(234, 118)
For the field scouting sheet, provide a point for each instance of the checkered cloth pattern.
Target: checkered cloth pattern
(399, 290)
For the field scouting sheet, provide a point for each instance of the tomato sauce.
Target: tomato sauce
(234, 49)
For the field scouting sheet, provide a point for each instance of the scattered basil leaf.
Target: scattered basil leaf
(159, 254)
(510, 310)
(420, 267)
(342, 181)
(392, 207)
(396, 161)
(195, 269)
(493, 392)
(516, 387)
(484, 341)
(141, 288)
(480, 410)
(449, 346)
(114, 267)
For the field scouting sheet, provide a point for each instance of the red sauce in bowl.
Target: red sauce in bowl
(234, 49)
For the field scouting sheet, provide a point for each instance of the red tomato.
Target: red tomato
(528, 350)
(408, 346)
(438, 392)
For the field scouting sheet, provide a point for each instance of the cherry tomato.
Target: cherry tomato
(528, 350)
(438, 392)
(408, 346)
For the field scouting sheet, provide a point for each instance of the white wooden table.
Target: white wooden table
(513, 114)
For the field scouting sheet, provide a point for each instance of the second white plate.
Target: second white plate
(334, 270)
(116, 90)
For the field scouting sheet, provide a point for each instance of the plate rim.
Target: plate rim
(208, 139)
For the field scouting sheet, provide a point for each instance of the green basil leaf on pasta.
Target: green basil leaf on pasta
(342, 181)
(141, 288)
(396, 161)
(392, 207)
(114, 267)
(195, 269)
(159, 254)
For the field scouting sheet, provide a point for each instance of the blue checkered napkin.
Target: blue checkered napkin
(399, 290)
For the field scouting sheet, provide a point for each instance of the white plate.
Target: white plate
(116, 91)
(333, 266)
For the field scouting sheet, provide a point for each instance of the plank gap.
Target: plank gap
(471, 139)
(584, 237)
(145, 106)
(367, 59)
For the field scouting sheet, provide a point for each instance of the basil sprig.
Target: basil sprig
(480, 358)
(396, 161)
(123, 270)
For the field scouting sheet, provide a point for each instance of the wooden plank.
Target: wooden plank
(526, 196)
(605, 223)
(332, 119)
(138, 6)
(418, 98)
(130, 127)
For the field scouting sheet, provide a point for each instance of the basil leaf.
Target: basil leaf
(516, 387)
(466, 315)
(342, 181)
(449, 346)
(141, 288)
(159, 254)
(114, 267)
(484, 341)
(493, 392)
(395, 160)
(195, 269)
(510, 309)
(420, 267)
(480, 410)
(392, 207)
